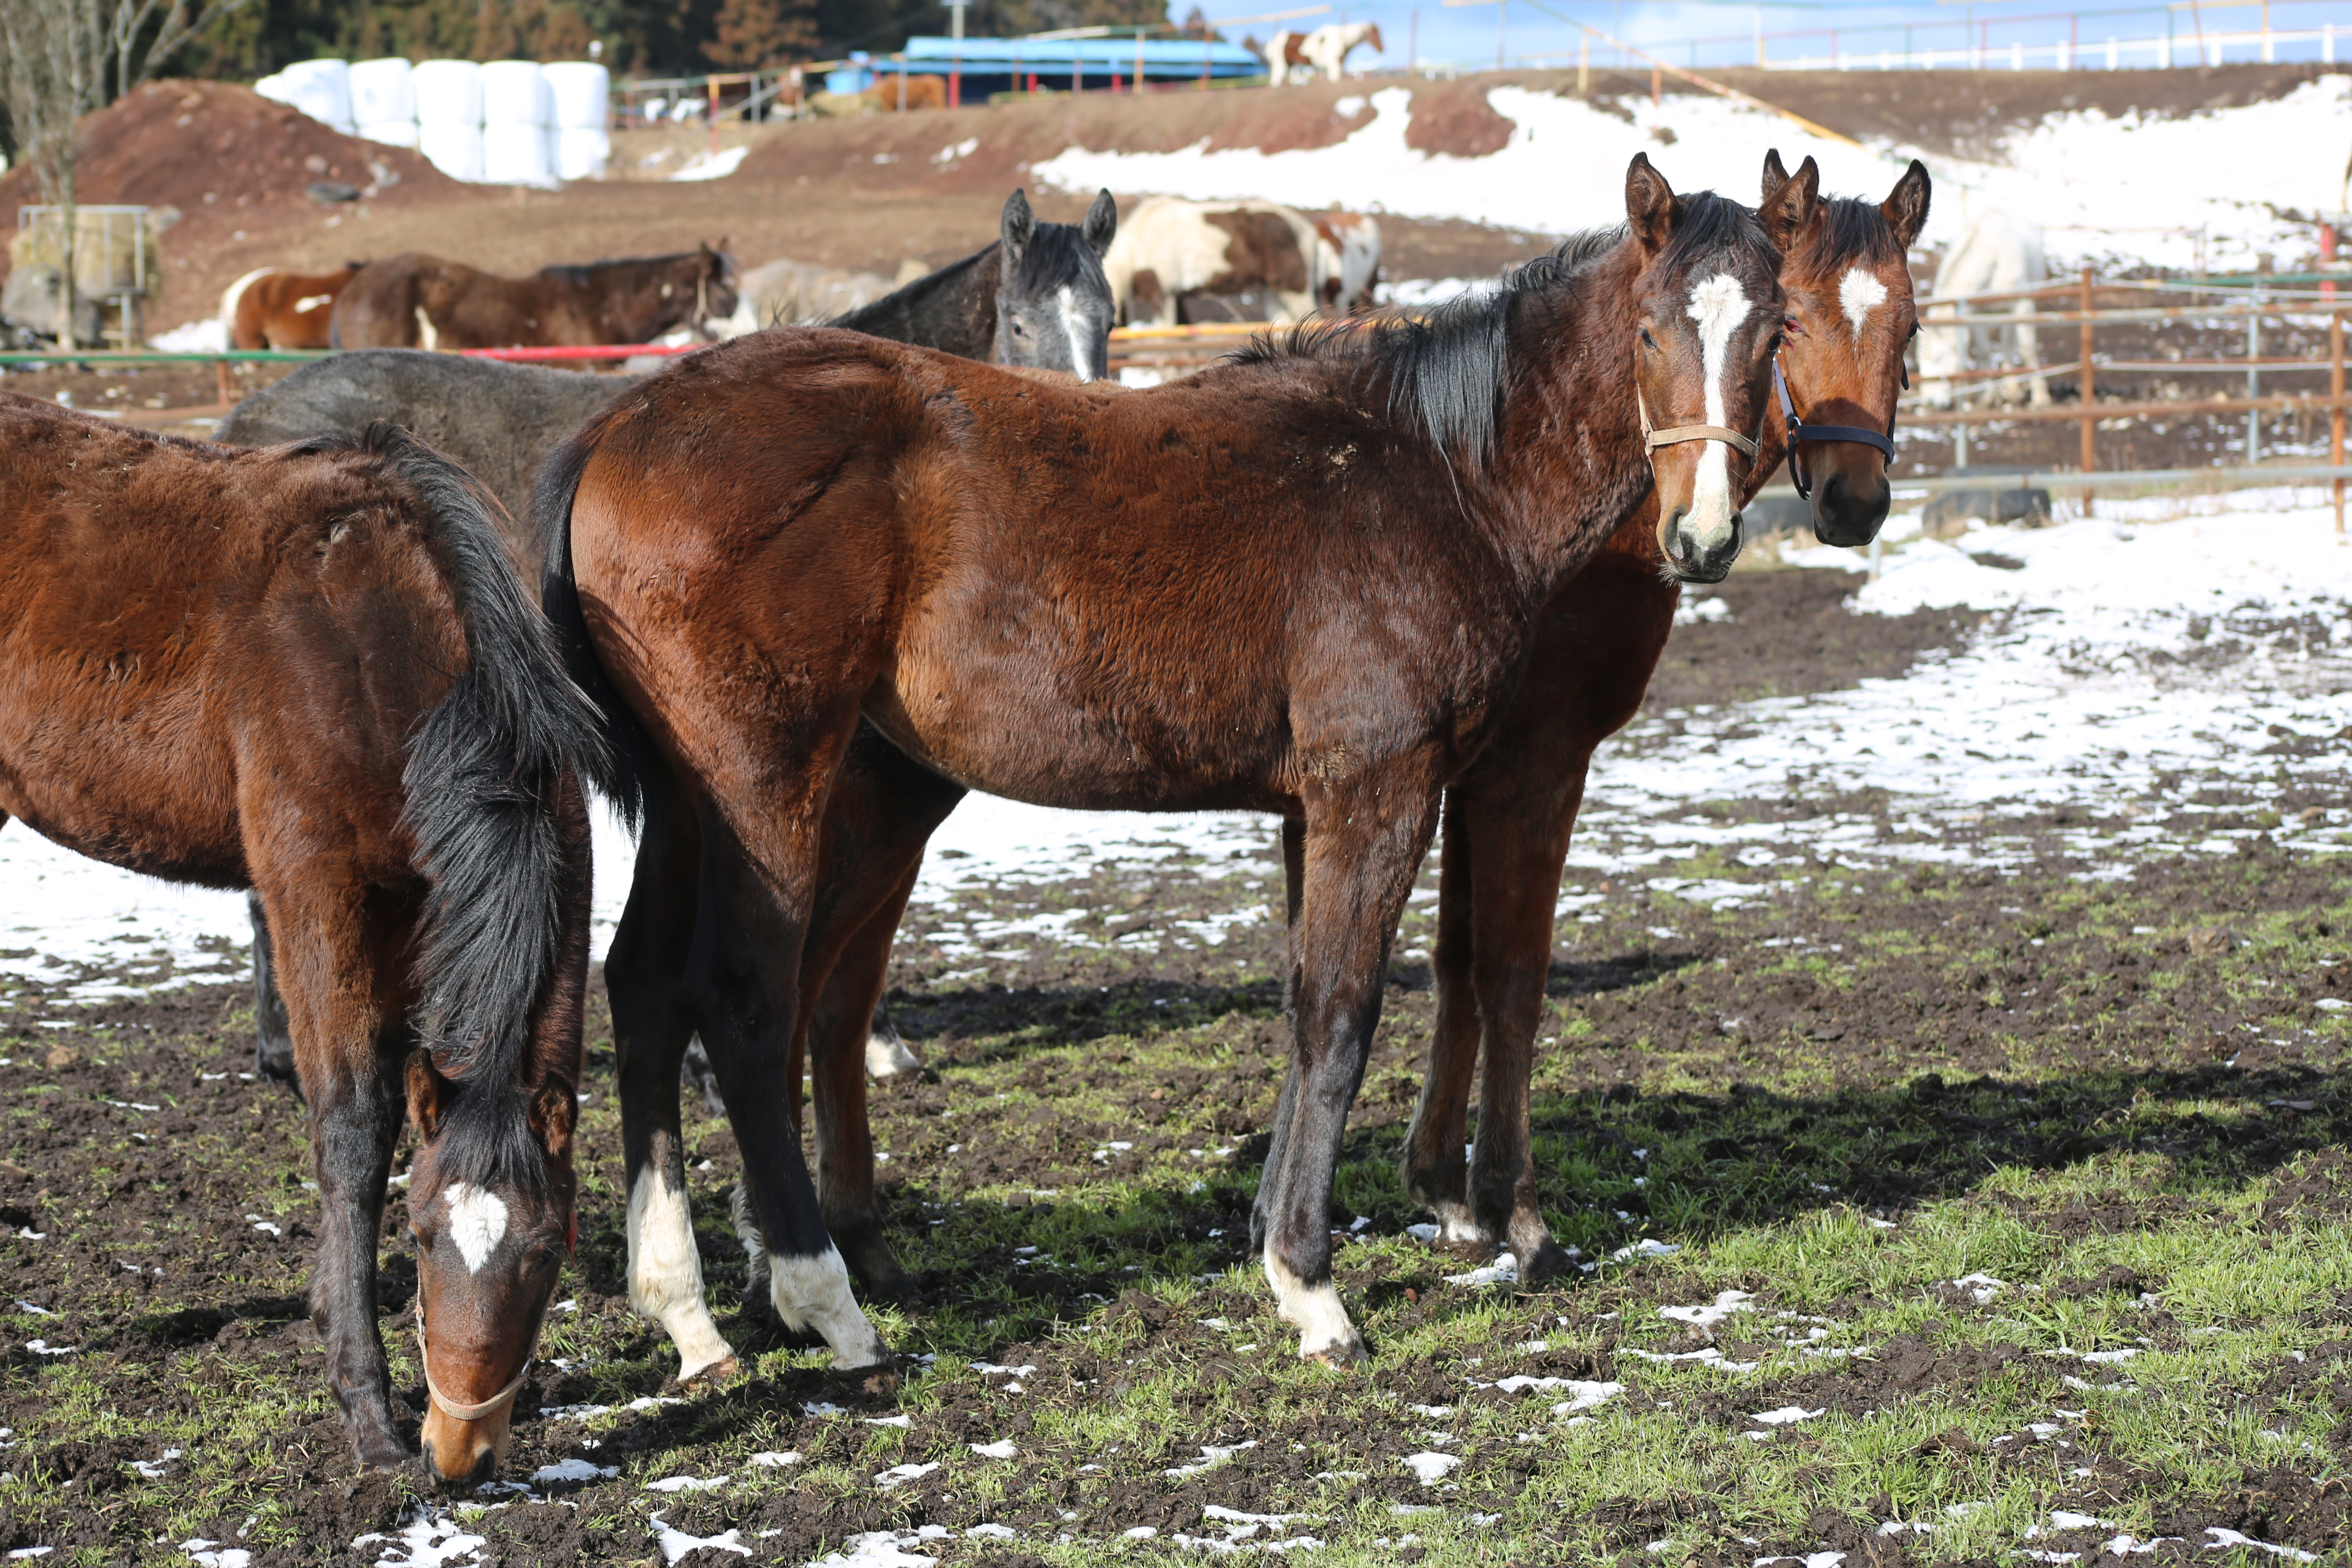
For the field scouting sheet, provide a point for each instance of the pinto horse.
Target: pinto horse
(418, 301)
(1303, 580)
(269, 308)
(1508, 815)
(311, 671)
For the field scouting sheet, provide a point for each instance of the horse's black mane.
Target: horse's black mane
(1449, 371)
(1056, 251)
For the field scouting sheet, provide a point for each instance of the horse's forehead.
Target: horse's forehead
(478, 1222)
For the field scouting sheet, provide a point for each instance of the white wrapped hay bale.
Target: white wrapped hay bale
(515, 92)
(320, 88)
(448, 92)
(516, 155)
(455, 150)
(581, 94)
(581, 152)
(391, 132)
(383, 92)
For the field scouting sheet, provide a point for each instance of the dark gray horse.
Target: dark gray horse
(1035, 298)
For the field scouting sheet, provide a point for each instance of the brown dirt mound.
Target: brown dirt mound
(234, 166)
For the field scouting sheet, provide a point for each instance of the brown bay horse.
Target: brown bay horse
(310, 670)
(418, 301)
(270, 308)
(1303, 581)
(1507, 816)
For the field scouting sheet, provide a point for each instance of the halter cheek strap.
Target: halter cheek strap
(1674, 435)
(1800, 431)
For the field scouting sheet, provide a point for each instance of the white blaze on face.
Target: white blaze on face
(1074, 327)
(1718, 305)
(477, 1221)
(1859, 293)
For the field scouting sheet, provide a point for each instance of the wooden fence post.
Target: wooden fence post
(2090, 394)
(2336, 407)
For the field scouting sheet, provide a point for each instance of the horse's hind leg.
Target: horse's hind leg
(341, 960)
(745, 971)
(1434, 1171)
(653, 1018)
(273, 1047)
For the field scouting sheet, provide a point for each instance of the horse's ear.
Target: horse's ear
(1791, 212)
(1651, 208)
(553, 1109)
(428, 1095)
(1019, 224)
(1101, 226)
(1905, 207)
(1776, 174)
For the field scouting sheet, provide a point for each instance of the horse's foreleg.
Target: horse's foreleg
(653, 1018)
(350, 1046)
(1293, 884)
(1433, 1168)
(2029, 354)
(1365, 841)
(745, 971)
(273, 1047)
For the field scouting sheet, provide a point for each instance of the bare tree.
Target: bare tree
(56, 59)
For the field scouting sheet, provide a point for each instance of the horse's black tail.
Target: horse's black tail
(627, 773)
(491, 774)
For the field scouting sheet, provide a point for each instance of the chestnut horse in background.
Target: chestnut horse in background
(310, 670)
(418, 301)
(1507, 816)
(1305, 581)
(269, 308)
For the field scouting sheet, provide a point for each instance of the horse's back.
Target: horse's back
(189, 621)
(498, 421)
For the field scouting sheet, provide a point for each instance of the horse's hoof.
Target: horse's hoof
(1346, 1357)
(382, 1453)
(1543, 1263)
(879, 1381)
(726, 1369)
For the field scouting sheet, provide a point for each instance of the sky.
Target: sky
(1720, 32)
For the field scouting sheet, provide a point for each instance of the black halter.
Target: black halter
(1800, 431)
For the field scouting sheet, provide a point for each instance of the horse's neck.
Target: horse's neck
(1571, 464)
(629, 296)
(953, 310)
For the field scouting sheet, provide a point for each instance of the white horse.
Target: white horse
(1325, 49)
(1997, 254)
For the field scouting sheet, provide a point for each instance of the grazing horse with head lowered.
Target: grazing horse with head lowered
(418, 301)
(310, 670)
(1304, 581)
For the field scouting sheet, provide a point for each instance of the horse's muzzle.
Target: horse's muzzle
(1847, 513)
(1695, 561)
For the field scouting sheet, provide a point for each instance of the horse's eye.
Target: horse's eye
(1788, 325)
(1771, 345)
(1018, 330)
(1647, 340)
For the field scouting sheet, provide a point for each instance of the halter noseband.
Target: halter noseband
(1674, 435)
(1800, 431)
(495, 1402)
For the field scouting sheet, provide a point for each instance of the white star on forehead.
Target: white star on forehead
(477, 1221)
(1859, 293)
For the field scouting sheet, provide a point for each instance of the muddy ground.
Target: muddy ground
(1997, 1062)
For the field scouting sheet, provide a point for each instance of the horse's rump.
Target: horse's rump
(271, 308)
